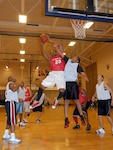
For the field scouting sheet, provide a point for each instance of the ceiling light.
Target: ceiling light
(37, 67)
(22, 52)
(71, 43)
(6, 67)
(22, 40)
(22, 60)
(88, 25)
(22, 18)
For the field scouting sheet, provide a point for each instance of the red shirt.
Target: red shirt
(27, 95)
(82, 96)
(57, 63)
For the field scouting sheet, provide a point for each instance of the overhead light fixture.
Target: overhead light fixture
(71, 43)
(88, 24)
(37, 67)
(22, 18)
(22, 52)
(22, 40)
(22, 60)
(6, 66)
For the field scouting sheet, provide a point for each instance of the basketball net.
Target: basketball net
(78, 26)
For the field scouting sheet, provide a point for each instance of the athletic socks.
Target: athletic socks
(75, 119)
(61, 94)
(82, 120)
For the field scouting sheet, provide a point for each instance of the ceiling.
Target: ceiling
(59, 30)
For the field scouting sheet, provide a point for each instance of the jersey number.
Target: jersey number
(58, 61)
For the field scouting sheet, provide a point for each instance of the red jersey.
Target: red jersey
(57, 63)
(82, 96)
(27, 95)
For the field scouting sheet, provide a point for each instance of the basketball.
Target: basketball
(44, 38)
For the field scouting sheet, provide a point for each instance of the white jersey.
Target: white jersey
(70, 71)
(102, 93)
(21, 93)
(10, 95)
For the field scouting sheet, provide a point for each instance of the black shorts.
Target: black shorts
(11, 112)
(76, 112)
(104, 107)
(39, 108)
(72, 91)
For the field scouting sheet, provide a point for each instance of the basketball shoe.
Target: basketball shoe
(21, 124)
(54, 105)
(6, 136)
(88, 127)
(77, 126)
(67, 122)
(14, 140)
(100, 131)
(38, 121)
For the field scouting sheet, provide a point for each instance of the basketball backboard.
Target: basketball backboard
(96, 10)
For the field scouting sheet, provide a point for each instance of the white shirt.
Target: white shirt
(10, 95)
(21, 93)
(70, 71)
(102, 93)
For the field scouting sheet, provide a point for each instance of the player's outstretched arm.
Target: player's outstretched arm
(43, 52)
(85, 76)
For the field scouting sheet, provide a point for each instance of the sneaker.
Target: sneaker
(76, 127)
(6, 136)
(67, 122)
(38, 120)
(22, 124)
(100, 131)
(35, 104)
(55, 104)
(25, 120)
(88, 127)
(14, 141)
(82, 120)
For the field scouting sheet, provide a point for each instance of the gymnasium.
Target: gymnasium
(84, 28)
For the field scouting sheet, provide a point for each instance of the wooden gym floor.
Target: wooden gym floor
(50, 134)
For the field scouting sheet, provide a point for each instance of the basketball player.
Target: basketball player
(105, 97)
(55, 77)
(10, 106)
(85, 102)
(39, 107)
(20, 104)
(72, 69)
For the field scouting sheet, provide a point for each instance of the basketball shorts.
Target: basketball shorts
(72, 91)
(27, 106)
(11, 112)
(76, 112)
(19, 107)
(54, 78)
(39, 108)
(104, 107)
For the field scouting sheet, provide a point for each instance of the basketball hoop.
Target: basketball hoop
(78, 26)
